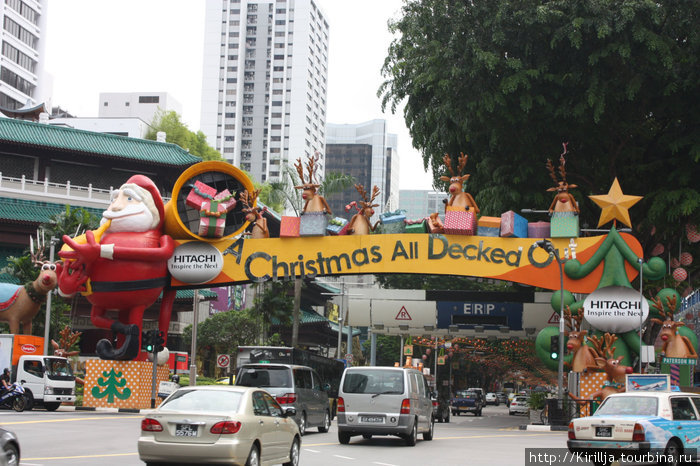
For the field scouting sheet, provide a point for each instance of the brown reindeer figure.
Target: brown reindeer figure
(583, 355)
(20, 304)
(254, 215)
(675, 345)
(360, 223)
(563, 201)
(66, 341)
(615, 371)
(313, 202)
(458, 198)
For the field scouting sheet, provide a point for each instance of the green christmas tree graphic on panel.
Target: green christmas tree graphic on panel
(111, 384)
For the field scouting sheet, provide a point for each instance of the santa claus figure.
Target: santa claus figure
(122, 266)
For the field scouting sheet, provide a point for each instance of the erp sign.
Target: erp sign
(489, 315)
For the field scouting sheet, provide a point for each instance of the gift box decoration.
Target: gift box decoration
(489, 226)
(289, 227)
(212, 219)
(337, 226)
(513, 225)
(200, 192)
(313, 224)
(417, 226)
(460, 222)
(393, 222)
(538, 230)
(564, 225)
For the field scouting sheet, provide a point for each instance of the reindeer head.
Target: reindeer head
(561, 186)
(456, 180)
(251, 211)
(367, 209)
(48, 271)
(669, 327)
(610, 364)
(308, 187)
(575, 335)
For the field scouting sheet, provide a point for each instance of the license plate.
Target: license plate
(371, 419)
(603, 431)
(185, 430)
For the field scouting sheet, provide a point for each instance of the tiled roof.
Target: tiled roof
(21, 210)
(305, 317)
(76, 140)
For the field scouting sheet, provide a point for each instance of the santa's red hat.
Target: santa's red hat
(148, 184)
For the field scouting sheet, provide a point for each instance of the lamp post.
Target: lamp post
(549, 247)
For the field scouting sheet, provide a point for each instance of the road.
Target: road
(68, 437)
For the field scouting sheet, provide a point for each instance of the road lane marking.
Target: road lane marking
(312, 451)
(76, 457)
(69, 420)
(383, 464)
(344, 457)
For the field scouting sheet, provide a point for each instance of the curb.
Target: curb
(544, 428)
(104, 410)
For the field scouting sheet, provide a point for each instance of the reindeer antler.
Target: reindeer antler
(609, 348)
(248, 199)
(300, 169)
(311, 167)
(462, 162)
(447, 160)
(361, 189)
(375, 193)
(573, 321)
(597, 343)
(38, 256)
(658, 305)
(552, 172)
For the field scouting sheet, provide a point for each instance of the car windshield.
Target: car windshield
(264, 377)
(620, 405)
(374, 381)
(465, 394)
(58, 369)
(202, 400)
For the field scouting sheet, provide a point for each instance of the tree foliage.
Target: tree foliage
(507, 82)
(176, 132)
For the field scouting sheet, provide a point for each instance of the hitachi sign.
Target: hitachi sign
(615, 309)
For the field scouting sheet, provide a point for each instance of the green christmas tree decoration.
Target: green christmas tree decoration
(111, 384)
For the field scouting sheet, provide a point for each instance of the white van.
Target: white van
(384, 401)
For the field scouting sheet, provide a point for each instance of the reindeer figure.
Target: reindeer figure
(583, 355)
(314, 202)
(615, 372)
(675, 345)
(20, 304)
(563, 201)
(360, 223)
(254, 215)
(66, 341)
(458, 198)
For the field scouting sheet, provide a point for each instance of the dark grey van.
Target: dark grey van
(384, 401)
(291, 385)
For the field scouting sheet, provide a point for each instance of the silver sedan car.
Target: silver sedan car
(220, 424)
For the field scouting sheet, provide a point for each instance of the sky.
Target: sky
(156, 46)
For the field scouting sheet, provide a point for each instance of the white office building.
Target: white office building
(143, 105)
(384, 160)
(420, 203)
(22, 81)
(264, 83)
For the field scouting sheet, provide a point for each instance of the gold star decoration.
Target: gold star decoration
(615, 205)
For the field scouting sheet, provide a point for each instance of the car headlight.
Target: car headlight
(48, 390)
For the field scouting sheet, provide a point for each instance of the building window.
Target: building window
(149, 99)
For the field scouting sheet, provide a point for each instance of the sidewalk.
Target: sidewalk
(543, 428)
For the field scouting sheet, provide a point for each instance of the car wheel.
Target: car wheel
(429, 435)
(478, 413)
(510, 412)
(52, 406)
(11, 455)
(302, 424)
(253, 457)
(672, 454)
(293, 454)
(412, 438)
(367, 436)
(30, 400)
(19, 403)
(326, 423)
(343, 438)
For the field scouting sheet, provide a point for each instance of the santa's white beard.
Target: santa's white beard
(135, 217)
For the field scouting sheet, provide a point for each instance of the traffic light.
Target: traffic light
(554, 347)
(159, 341)
(148, 341)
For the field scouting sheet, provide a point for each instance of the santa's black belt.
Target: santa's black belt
(132, 285)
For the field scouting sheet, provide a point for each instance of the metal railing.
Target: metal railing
(559, 412)
(27, 188)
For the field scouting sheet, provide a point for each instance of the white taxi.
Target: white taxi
(664, 426)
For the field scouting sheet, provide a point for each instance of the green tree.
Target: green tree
(176, 132)
(508, 82)
(388, 349)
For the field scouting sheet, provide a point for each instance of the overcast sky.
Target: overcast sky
(156, 45)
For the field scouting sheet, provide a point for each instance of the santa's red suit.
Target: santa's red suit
(123, 270)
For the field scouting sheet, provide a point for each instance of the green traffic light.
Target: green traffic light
(149, 348)
(554, 355)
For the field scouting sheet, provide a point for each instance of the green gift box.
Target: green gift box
(564, 225)
(417, 227)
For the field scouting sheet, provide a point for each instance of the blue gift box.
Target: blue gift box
(513, 224)
(313, 224)
(336, 226)
(393, 222)
(488, 231)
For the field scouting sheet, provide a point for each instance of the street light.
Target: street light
(549, 247)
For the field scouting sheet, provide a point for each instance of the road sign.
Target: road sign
(223, 361)
(403, 314)
(348, 357)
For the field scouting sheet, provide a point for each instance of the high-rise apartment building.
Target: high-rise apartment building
(22, 63)
(264, 83)
(366, 151)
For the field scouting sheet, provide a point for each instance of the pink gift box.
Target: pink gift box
(212, 225)
(226, 199)
(460, 222)
(289, 227)
(194, 199)
(538, 230)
